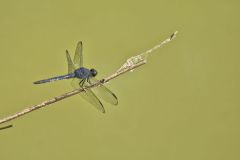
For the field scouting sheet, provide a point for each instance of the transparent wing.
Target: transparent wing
(104, 93)
(78, 57)
(71, 67)
(88, 95)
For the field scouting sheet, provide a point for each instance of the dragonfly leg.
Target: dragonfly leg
(88, 80)
(81, 82)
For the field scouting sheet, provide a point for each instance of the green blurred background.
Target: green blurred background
(182, 105)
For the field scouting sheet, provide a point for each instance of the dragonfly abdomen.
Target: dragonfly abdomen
(67, 76)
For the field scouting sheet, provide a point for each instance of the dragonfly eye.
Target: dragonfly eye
(93, 72)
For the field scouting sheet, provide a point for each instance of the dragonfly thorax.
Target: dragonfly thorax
(84, 73)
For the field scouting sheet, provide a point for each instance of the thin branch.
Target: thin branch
(130, 64)
(6, 127)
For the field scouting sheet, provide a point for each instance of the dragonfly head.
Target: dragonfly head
(93, 72)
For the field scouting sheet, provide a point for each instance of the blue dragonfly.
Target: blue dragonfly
(82, 77)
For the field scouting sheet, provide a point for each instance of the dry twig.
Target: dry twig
(129, 65)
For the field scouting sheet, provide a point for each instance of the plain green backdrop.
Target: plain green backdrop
(182, 105)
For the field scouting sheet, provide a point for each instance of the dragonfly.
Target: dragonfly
(82, 77)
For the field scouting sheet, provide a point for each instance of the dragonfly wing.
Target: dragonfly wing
(78, 57)
(105, 93)
(88, 95)
(71, 67)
